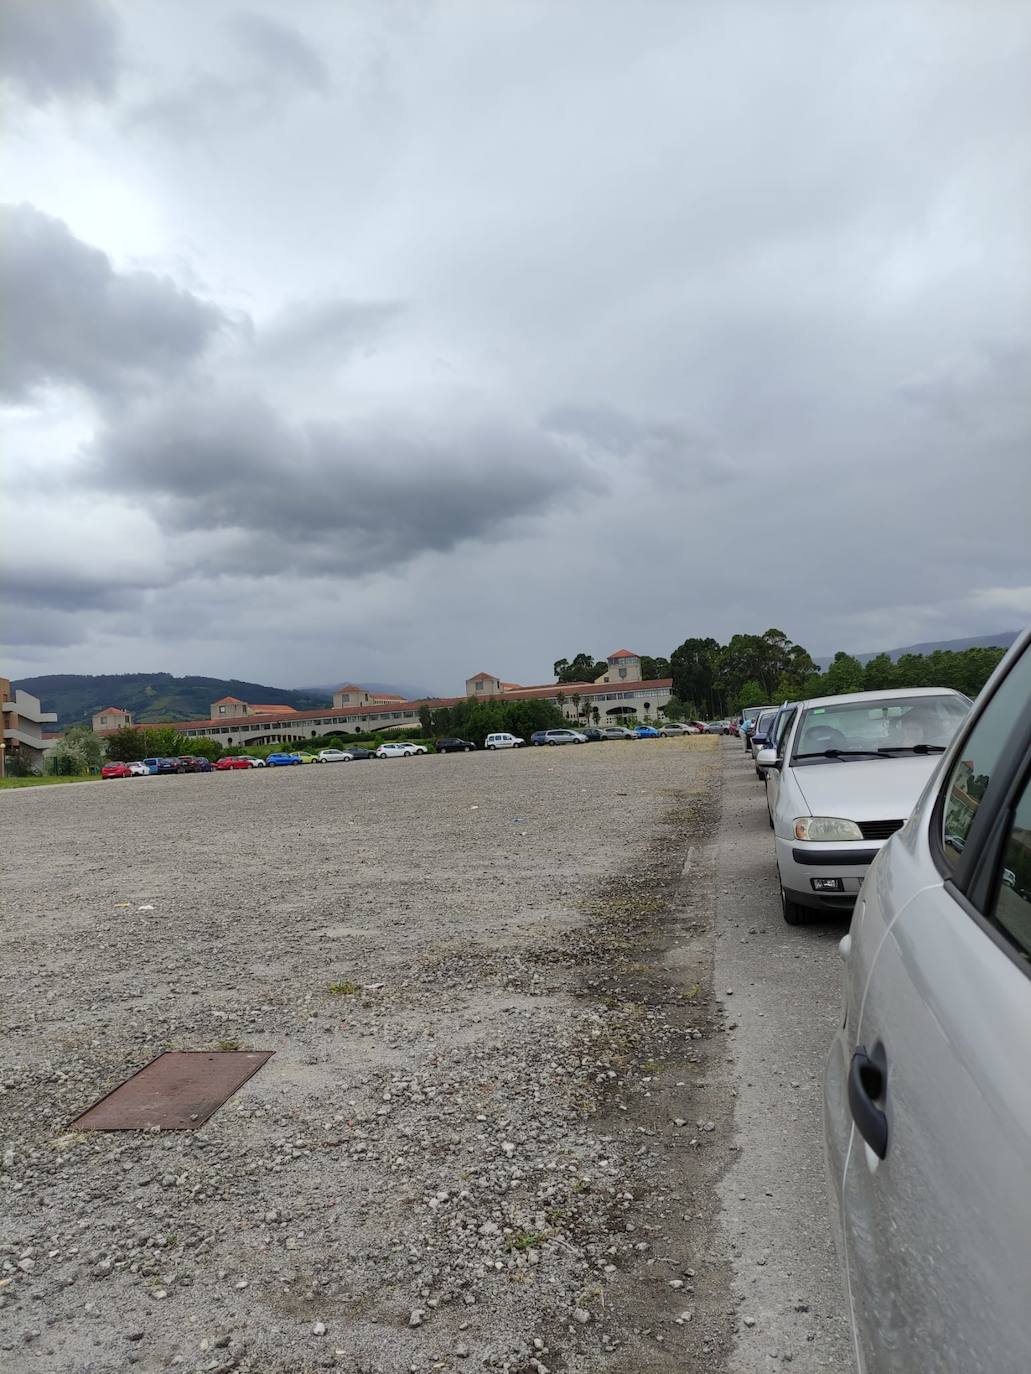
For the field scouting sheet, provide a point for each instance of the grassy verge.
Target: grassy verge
(45, 782)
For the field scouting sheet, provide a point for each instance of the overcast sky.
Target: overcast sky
(399, 340)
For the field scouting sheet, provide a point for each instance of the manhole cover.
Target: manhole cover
(177, 1091)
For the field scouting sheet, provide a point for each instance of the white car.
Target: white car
(927, 1097)
(256, 763)
(139, 770)
(400, 750)
(334, 756)
(850, 771)
(501, 739)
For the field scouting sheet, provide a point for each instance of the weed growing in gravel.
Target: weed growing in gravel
(526, 1240)
(226, 1045)
(345, 989)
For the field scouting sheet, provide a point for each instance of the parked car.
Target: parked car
(557, 737)
(253, 761)
(714, 727)
(758, 736)
(139, 769)
(501, 739)
(333, 755)
(590, 734)
(617, 732)
(309, 758)
(927, 1109)
(747, 721)
(673, 727)
(356, 751)
(646, 732)
(455, 746)
(116, 770)
(193, 763)
(232, 762)
(850, 773)
(161, 766)
(282, 760)
(775, 734)
(399, 750)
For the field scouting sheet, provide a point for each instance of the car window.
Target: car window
(782, 727)
(900, 723)
(1011, 905)
(980, 755)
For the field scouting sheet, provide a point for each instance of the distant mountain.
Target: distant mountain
(999, 641)
(156, 696)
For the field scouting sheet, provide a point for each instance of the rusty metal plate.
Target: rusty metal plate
(177, 1091)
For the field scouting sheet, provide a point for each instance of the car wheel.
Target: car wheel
(490, 746)
(793, 914)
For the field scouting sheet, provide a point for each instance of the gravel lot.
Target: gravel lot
(496, 1144)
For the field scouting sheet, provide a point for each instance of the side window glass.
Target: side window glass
(1011, 907)
(980, 755)
(783, 726)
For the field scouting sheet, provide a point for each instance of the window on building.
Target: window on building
(221, 710)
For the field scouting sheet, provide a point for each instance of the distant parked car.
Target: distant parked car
(333, 756)
(232, 762)
(309, 758)
(646, 732)
(557, 737)
(927, 1113)
(356, 751)
(850, 773)
(590, 734)
(455, 746)
(253, 761)
(400, 750)
(673, 727)
(759, 736)
(194, 763)
(116, 770)
(617, 732)
(283, 760)
(501, 739)
(139, 769)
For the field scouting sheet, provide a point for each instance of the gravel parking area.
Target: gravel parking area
(491, 1131)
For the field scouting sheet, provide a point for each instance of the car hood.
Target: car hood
(865, 789)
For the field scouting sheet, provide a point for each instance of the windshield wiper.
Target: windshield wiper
(841, 754)
(913, 749)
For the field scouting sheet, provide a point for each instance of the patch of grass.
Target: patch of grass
(650, 1067)
(344, 989)
(227, 1045)
(526, 1240)
(47, 781)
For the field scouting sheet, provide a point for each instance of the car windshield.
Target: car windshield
(887, 728)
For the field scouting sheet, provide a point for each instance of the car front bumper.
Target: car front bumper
(805, 868)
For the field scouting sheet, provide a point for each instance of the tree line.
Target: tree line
(713, 680)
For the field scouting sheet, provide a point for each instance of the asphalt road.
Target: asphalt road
(781, 991)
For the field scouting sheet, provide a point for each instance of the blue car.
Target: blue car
(282, 760)
(646, 732)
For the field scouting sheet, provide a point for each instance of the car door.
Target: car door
(936, 1195)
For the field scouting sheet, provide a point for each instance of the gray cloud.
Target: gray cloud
(265, 65)
(71, 318)
(670, 454)
(58, 49)
(282, 49)
(323, 332)
(326, 498)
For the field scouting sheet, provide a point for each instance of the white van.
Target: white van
(503, 740)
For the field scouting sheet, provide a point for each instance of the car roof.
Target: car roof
(874, 697)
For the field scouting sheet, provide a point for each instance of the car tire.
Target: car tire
(793, 914)
(491, 747)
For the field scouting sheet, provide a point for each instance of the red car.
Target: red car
(116, 770)
(223, 765)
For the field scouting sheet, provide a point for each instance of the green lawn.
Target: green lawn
(45, 782)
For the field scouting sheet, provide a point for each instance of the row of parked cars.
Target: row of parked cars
(914, 808)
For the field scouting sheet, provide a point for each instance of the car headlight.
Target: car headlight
(825, 828)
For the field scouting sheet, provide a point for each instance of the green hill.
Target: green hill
(154, 696)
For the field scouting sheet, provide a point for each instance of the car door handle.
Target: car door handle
(867, 1081)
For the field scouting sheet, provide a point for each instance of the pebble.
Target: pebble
(581, 1315)
(319, 1329)
(416, 1317)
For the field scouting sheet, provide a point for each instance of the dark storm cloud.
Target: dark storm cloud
(71, 318)
(70, 588)
(326, 497)
(58, 49)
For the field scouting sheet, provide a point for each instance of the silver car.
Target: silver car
(850, 771)
(927, 1096)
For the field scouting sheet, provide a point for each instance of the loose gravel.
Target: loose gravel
(491, 1130)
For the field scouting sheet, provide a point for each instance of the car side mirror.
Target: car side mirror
(767, 758)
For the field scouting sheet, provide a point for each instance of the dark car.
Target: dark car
(354, 751)
(590, 733)
(455, 746)
(195, 764)
(282, 760)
